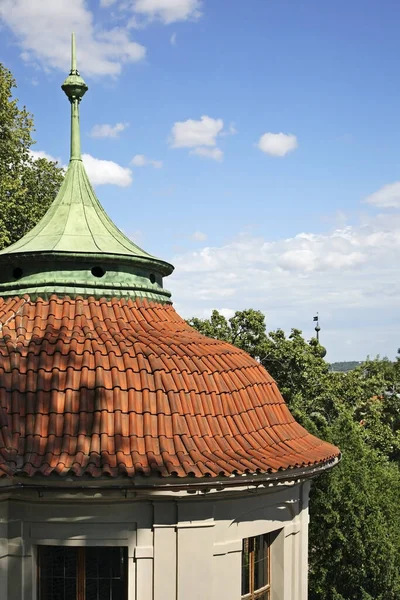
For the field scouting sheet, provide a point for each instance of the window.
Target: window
(90, 573)
(256, 583)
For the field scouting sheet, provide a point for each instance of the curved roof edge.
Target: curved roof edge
(168, 484)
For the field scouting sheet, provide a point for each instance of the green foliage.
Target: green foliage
(246, 329)
(344, 366)
(355, 521)
(354, 524)
(27, 186)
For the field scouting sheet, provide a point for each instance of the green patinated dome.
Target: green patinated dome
(76, 222)
(76, 248)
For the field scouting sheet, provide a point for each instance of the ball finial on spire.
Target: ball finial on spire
(318, 349)
(74, 86)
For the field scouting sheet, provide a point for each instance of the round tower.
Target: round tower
(138, 458)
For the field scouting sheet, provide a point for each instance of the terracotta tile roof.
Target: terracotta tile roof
(120, 387)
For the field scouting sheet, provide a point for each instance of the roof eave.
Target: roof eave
(164, 267)
(168, 484)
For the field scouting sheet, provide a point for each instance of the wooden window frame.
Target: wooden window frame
(255, 594)
(80, 570)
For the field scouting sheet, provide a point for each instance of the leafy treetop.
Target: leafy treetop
(27, 186)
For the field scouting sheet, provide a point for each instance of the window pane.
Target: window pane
(104, 589)
(91, 589)
(91, 563)
(104, 558)
(58, 562)
(70, 589)
(106, 573)
(58, 589)
(245, 567)
(70, 563)
(117, 562)
(57, 573)
(258, 563)
(255, 568)
(261, 570)
(92, 571)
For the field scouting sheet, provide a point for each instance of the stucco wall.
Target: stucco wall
(180, 547)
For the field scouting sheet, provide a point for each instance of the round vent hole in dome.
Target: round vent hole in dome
(98, 272)
(152, 278)
(17, 273)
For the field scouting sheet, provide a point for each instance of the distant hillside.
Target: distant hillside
(345, 366)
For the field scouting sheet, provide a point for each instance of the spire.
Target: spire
(75, 88)
(76, 249)
(314, 342)
(74, 70)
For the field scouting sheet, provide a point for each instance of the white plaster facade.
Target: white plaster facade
(180, 546)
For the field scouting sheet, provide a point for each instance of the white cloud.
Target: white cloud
(349, 274)
(108, 131)
(277, 144)
(387, 197)
(307, 259)
(191, 133)
(228, 313)
(43, 30)
(172, 39)
(214, 153)
(101, 172)
(168, 11)
(199, 236)
(199, 135)
(42, 154)
(140, 160)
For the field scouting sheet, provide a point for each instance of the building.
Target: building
(139, 460)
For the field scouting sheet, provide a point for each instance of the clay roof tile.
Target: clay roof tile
(121, 388)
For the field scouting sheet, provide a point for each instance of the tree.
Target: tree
(246, 329)
(354, 524)
(27, 186)
(355, 521)
(298, 367)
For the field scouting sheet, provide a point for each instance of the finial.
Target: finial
(317, 327)
(75, 88)
(320, 350)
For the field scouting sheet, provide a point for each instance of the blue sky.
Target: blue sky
(290, 224)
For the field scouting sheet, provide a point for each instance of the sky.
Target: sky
(254, 144)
